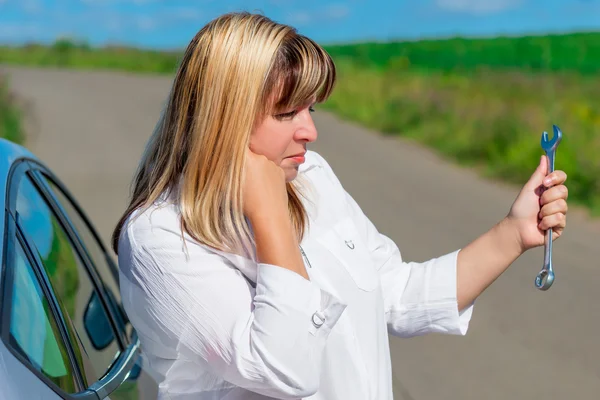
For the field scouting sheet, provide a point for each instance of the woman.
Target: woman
(247, 270)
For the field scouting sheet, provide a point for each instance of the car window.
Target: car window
(95, 250)
(70, 280)
(33, 330)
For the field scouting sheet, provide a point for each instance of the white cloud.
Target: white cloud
(31, 6)
(299, 17)
(115, 22)
(184, 14)
(478, 7)
(113, 25)
(97, 2)
(581, 7)
(145, 23)
(278, 3)
(329, 13)
(338, 11)
(110, 2)
(11, 32)
(143, 2)
(168, 18)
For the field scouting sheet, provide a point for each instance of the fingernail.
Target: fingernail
(547, 181)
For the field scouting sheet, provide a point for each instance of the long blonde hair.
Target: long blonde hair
(236, 70)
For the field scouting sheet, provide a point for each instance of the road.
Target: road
(91, 127)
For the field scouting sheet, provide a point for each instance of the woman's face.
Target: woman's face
(282, 138)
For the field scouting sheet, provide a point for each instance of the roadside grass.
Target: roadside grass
(489, 120)
(10, 115)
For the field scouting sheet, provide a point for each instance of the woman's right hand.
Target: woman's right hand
(266, 205)
(264, 188)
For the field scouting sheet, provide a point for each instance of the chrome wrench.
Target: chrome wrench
(545, 277)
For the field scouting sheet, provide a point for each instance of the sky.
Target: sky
(170, 24)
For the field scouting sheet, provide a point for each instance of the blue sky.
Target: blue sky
(172, 23)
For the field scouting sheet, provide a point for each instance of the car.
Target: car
(64, 333)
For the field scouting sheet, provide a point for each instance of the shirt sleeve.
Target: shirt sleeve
(268, 339)
(419, 298)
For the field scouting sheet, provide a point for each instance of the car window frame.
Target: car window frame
(13, 236)
(43, 175)
(130, 347)
(46, 192)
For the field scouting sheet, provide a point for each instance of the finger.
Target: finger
(556, 233)
(536, 179)
(553, 194)
(554, 221)
(555, 207)
(557, 177)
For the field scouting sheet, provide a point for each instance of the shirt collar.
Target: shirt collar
(309, 163)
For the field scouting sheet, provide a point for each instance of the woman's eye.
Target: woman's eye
(286, 115)
(291, 114)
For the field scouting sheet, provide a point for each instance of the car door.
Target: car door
(44, 359)
(35, 355)
(102, 357)
(139, 385)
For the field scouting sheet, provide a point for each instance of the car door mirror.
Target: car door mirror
(96, 324)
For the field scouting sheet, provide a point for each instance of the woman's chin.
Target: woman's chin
(291, 172)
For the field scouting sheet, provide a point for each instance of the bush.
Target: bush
(10, 119)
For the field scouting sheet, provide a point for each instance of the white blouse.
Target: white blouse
(215, 325)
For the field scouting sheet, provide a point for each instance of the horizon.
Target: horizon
(168, 26)
(78, 41)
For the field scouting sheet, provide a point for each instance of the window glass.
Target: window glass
(105, 270)
(70, 281)
(33, 330)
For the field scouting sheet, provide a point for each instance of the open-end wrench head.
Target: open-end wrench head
(551, 144)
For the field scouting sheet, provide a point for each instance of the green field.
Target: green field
(578, 52)
(480, 102)
(489, 120)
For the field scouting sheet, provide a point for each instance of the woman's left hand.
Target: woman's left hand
(541, 204)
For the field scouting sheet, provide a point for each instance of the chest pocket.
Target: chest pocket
(345, 243)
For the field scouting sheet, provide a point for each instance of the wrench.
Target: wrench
(545, 277)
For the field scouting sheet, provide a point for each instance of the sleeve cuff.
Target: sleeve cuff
(442, 301)
(285, 288)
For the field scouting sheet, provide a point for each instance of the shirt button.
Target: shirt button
(318, 319)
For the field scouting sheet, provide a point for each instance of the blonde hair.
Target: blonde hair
(236, 70)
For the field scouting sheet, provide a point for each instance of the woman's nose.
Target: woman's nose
(306, 130)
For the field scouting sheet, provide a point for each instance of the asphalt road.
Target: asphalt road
(91, 127)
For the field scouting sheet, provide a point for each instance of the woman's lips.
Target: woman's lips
(299, 158)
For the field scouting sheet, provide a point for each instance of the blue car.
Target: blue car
(64, 334)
